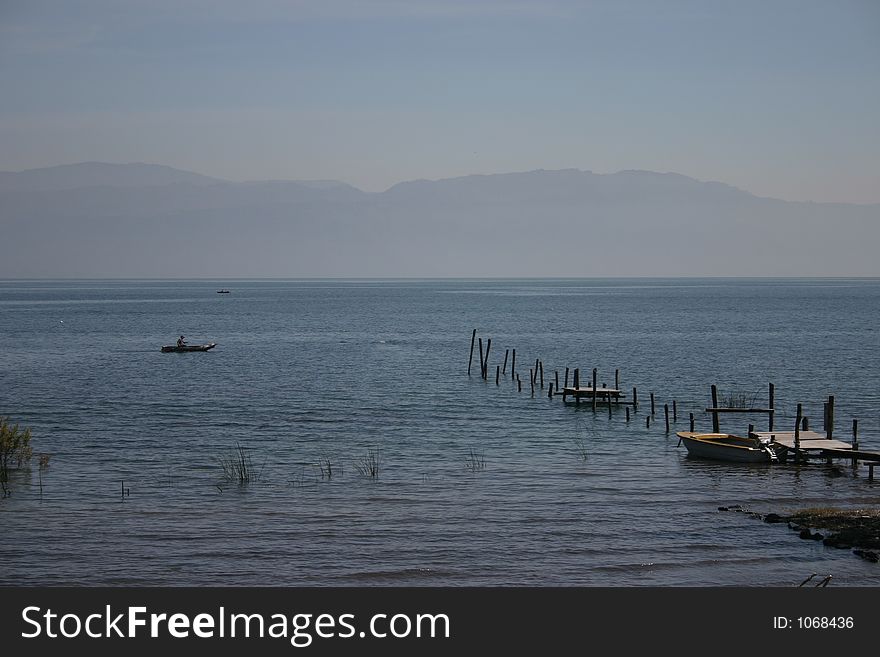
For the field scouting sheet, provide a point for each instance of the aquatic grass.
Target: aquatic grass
(368, 465)
(325, 465)
(238, 466)
(738, 399)
(580, 436)
(475, 461)
(15, 451)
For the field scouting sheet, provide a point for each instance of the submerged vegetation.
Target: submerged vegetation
(15, 451)
(238, 466)
(368, 465)
(476, 461)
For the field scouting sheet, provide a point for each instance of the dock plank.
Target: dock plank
(809, 440)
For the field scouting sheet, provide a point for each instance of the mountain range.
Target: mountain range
(99, 220)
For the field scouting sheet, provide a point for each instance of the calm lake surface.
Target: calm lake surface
(308, 371)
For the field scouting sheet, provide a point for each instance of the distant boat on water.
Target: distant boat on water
(222, 291)
(187, 347)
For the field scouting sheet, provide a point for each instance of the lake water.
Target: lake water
(478, 484)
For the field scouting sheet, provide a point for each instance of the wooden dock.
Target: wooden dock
(608, 395)
(809, 440)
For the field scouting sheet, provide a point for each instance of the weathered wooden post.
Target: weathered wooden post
(772, 407)
(674, 411)
(557, 380)
(504, 369)
(471, 359)
(518, 383)
(486, 364)
(608, 395)
(497, 373)
(648, 421)
(541, 365)
(627, 413)
(635, 399)
(652, 403)
(482, 373)
(751, 431)
(577, 385)
(715, 424)
(594, 388)
(617, 379)
(550, 391)
(532, 377)
(513, 364)
(855, 434)
(829, 431)
(797, 433)
(666, 412)
(692, 422)
(806, 423)
(566, 377)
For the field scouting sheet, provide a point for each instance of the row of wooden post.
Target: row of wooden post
(536, 377)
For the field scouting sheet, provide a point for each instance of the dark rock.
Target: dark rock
(867, 555)
(817, 536)
(723, 508)
(806, 533)
(773, 518)
(836, 541)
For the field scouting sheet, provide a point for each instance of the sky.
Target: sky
(779, 98)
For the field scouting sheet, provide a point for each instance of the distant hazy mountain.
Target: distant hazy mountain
(94, 174)
(150, 221)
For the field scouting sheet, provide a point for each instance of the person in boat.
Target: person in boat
(180, 341)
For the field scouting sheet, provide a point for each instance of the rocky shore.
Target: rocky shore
(849, 529)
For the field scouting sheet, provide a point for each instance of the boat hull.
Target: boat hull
(725, 447)
(187, 348)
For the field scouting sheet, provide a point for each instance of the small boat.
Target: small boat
(728, 447)
(188, 347)
(222, 291)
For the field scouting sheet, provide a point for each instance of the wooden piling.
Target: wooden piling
(715, 427)
(550, 392)
(541, 365)
(617, 379)
(797, 432)
(504, 368)
(608, 395)
(635, 399)
(482, 371)
(751, 430)
(577, 377)
(594, 388)
(855, 434)
(518, 383)
(497, 373)
(648, 421)
(829, 430)
(532, 377)
(652, 403)
(566, 377)
(674, 411)
(805, 424)
(772, 407)
(471, 359)
(627, 413)
(666, 412)
(692, 422)
(513, 364)
(557, 380)
(486, 364)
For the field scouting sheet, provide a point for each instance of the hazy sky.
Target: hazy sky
(779, 98)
